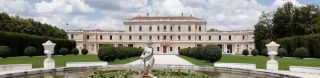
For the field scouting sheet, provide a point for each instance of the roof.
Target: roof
(164, 18)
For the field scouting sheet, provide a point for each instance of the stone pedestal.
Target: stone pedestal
(272, 65)
(48, 63)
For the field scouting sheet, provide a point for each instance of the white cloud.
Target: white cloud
(63, 6)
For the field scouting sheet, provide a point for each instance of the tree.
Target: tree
(75, 51)
(4, 51)
(263, 32)
(212, 53)
(282, 52)
(254, 52)
(301, 52)
(63, 51)
(245, 52)
(30, 51)
(84, 51)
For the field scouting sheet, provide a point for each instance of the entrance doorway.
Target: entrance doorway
(164, 49)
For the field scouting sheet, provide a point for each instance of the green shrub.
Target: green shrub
(254, 52)
(282, 52)
(264, 52)
(4, 51)
(245, 52)
(123, 52)
(75, 51)
(212, 53)
(84, 51)
(301, 52)
(30, 51)
(196, 52)
(184, 51)
(18, 42)
(107, 53)
(63, 51)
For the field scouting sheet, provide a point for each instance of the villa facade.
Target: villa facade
(169, 34)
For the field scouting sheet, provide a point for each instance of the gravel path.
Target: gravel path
(166, 59)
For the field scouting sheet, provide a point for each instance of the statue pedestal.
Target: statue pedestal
(48, 63)
(272, 65)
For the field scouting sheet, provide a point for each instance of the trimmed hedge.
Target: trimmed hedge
(4, 51)
(254, 52)
(30, 51)
(84, 51)
(282, 52)
(111, 53)
(210, 52)
(19, 41)
(75, 51)
(301, 52)
(310, 42)
(64, 51)
(245, 52)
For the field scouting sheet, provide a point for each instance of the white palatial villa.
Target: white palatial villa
(169, 34)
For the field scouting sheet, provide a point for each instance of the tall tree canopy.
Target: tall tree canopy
(29, 26)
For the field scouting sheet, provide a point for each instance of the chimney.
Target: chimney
(181, 13)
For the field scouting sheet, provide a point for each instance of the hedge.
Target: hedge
(310, 42)
(111, 53)
(4, 51)
(210, 52)
(19, 41)
(254, 52)
(30, 51)
(245, 52)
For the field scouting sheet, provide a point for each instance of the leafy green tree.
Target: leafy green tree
(263, 32)
(212, 53)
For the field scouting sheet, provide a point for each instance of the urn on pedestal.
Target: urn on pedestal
(48, 63)
(272, 64)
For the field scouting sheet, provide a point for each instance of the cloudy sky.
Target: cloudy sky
(109, 14)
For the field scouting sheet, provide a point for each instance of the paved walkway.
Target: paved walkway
(165, 59)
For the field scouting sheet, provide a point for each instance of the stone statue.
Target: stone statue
(148, 61)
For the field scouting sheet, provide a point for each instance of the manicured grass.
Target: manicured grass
(60, 61)
(260, 61)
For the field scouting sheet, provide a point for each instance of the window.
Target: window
(140, 37)
(130, 28)
(120, 44)
(199, 28)
(100, 37)
(219, 37)
(178, 37)
(130, 45)
(189, 37)
(164, 37)
(158, 49)
(200, 37)
(170, 37)
(158, 37)
(71, 36)
(179, 29)
(150, 28)
(158, 28)
(210, 37)
(150, 37)
(120, 37)
(229, 37)
(110, 37)
(243, 37)
(189, 28)
(140, 28)
(171, 28)
(164, 28)
(88, 36)
(129, 37)
(199, 45)
(170, 48)
(178, 48)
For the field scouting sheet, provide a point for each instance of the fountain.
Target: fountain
(148, 61)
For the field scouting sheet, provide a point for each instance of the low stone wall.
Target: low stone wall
(169, 67)
(303, 69)
(15, 67)
(236, 65)
(85, 64)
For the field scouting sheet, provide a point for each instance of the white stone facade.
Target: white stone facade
(168, 34)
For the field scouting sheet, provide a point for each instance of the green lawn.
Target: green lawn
(37, 61)
(260, 61)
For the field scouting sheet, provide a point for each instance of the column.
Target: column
(224, 48)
